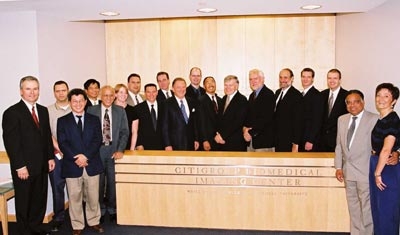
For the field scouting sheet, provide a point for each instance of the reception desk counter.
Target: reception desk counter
(231, 190)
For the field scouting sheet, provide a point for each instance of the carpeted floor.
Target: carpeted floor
(114, 229)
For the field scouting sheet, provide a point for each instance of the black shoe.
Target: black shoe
(113, 217)
(56, 225)
(102, 219)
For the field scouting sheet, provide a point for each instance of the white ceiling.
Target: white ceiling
(79, 10)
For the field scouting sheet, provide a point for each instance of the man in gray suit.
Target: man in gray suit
(115, 136)
(352, 154)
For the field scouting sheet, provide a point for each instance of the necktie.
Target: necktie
(137, 100)
(153, 117)
(167, 93)
(197, 92)
(80, 126)
(215, 104)
(351, 131)
(278, 101)
(303, 93)
(330, 104)
(228, 100)
(35, 118)
(106, 129)
(183, 110)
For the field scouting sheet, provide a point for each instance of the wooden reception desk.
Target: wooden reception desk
(231, 190)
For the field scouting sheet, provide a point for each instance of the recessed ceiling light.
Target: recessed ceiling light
(109, 13)
(310, 7)
(207, 10)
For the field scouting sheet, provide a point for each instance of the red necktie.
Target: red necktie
(35, 118)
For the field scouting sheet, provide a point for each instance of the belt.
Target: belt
(105, 144)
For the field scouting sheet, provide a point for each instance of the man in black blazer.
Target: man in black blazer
(287, 114)
(259, 124)
(163, 83)
(312, 112)
(179, 120)
(231, 117)
(208, 110)
(92, 89)
(333, 100)
(27, 139)
(194, 90)
(146, 128)
(79, 138)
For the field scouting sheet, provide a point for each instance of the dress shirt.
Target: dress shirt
(359, 116)
(82, 119)
(335, 94)
(165, 93)
(30, 108)
(154, 105)
(283, 92)
(185, 104)
(133, 96)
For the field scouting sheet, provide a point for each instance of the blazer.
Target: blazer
(191, 94)
(27, 145)
(129, 100)
(329, 122)
(207, 124)
(260, 118)
(88, 104)
(230, 123)
(119, 125)
(148, 137)
(287, 120)
(175, 131)
(161, 96)
(355, 161)
(72, 143)
(312, 118)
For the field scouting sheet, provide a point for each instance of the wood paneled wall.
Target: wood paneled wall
(221, 46)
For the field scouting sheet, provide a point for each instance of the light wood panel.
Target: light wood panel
(258, 191)
(222, 46)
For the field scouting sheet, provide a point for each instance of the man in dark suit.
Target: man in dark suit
(179, 120)
(112, 148)
(231, 117)
(312, 112)
(27, 139)
(208, 110)
(79, 138)
(194, 90)
(92, 89)
(163, 83)
(333, 100)
(146, 125)
(134, 85)
(287, 114)
(260, 118)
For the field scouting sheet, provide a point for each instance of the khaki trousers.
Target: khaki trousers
(84, 188)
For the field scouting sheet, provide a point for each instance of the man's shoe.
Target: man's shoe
(113, 217)
(97, 228)
(102, 219)
(56, 225)
(77, 232)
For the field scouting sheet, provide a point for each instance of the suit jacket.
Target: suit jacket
(89, 103)
(287, 120)
(130, 100)
(161, 96)
(230, 123)
(72, 143)
(148, 137)
(329, 122)
(119, 125)
(27, 145)
(260, 118)
(190, 92)
(207, 124)
(355, 161)
(312, 118)
(175, 131)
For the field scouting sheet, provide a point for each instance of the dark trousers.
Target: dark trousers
(107, 191)
(57, 187)
(30, 202)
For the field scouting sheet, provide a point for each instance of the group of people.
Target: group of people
(78, 138)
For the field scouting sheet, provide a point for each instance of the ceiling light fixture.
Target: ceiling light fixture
(109, 13)
(207, 10)
(310, 7)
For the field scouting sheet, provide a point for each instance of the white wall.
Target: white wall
(367, 49)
